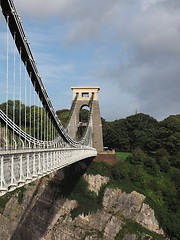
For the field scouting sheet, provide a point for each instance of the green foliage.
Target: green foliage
(84, 115)
(138, 157)
(121, 171)
(102, 168)
(150, 177)
(151, 167)
(138, 176)
(123, 155)
(19, 107)
(132, 227)
(3, 202)
(21, 194)
(162, 158)
(115, 135)
(175, 160)
(168, 134)
(63, 115)
(141, 130)
(88, 201)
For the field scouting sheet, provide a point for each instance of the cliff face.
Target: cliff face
(45, 215)
(107, 222)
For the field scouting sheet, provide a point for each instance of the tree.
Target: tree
(168, 134)
(141, 130)
(115, 135)
(162, 158)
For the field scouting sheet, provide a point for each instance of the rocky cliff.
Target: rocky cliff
(46, 214)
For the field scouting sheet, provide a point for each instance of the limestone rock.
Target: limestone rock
(112, 228)
(131, 206)
(129, 237)
(147, 219)
(95, 182)
(96, 220)
(126, 204)
(94, 237)
(43, 216)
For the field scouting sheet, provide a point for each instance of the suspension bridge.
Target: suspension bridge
(33, 141)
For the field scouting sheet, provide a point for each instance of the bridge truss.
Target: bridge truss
(33, 141)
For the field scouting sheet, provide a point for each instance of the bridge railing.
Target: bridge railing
(21, 167)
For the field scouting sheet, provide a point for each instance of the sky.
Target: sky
(128, 48)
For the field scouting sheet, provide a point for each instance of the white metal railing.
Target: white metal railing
(21, 167)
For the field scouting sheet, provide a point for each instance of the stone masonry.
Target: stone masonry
(84, 96)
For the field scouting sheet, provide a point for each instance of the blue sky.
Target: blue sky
(129, 48)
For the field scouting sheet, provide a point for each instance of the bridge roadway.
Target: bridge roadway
(19, 167)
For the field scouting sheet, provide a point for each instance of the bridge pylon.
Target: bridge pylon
(83, 96)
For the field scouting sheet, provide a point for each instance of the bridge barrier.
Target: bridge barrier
(20, 167)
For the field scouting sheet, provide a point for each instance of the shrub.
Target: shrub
(3, 202)
(162, 158)
(175, 161)
(21, 194)
(102, 168)
(151, 166)
(161, 153)
(87, 200)
(137, 176)
(138, 157)
(120, 171)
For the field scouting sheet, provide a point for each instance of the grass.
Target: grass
(123, 155)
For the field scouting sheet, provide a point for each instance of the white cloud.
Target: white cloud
(135, 46)
(149, 3)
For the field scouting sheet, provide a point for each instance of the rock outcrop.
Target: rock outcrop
(106, 223)
(95, 182)
(131, 206)
(43, 215)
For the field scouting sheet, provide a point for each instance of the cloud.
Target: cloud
(135, 50)
(145, 4)
(148, 68)
(87, 19)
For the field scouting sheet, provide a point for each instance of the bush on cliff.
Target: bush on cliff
(88, 201)
(155, 177)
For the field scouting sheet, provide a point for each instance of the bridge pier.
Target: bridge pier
(82, 96)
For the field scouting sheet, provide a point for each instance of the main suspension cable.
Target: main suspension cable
(34, 114)
(20, 91)
(14, 84)
(7, 80)
(25, 125)
(30, 103)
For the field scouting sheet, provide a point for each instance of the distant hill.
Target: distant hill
(138, 130)
(141, 130)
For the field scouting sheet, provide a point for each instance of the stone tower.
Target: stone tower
(83, 99)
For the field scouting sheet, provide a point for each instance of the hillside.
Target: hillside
(141, 130)
(149, 170)
(71, 205)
